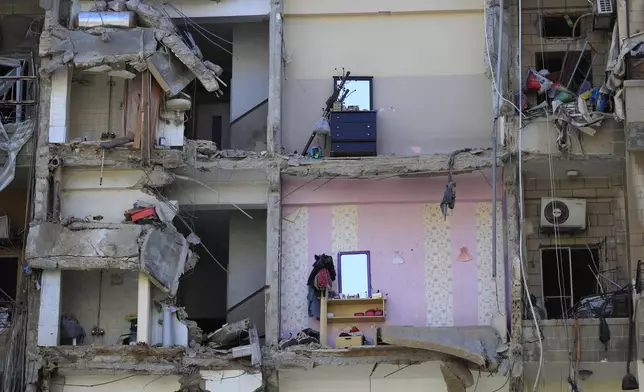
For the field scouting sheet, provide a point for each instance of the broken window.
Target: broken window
(560, 26)
(566, 66)
(567, 277)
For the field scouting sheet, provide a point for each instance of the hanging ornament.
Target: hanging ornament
(463, 255)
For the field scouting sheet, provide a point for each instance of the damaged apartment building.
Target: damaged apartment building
(298, 195)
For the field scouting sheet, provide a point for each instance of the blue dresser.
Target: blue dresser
(353, 133)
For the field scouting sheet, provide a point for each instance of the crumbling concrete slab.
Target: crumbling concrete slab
(163, 257)
(307, 357)
(229, 333)
(457, 376)
(89, 155)
(384, 166)
(180, 49)
(51, 245)
(475, 344)
(170, 73)
(85, 50)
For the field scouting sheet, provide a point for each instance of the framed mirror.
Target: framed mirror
(354, 274)
(359, 92)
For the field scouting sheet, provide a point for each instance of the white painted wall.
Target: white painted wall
(49, 312)
(82, 195)
(249, 85)
(247, 266)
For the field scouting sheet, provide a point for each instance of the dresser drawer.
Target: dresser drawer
(360, 117)
(349, 149)
(357, 132)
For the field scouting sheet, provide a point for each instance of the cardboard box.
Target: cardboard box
(348, 341)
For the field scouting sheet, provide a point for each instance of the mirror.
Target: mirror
(354, 274)
(359, 93)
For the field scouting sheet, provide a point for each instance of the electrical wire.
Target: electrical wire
(98, 384)
(522, 266)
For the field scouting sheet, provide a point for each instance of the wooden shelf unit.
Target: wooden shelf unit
(344, 310)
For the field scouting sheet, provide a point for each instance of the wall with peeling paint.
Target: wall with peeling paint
(389, 218)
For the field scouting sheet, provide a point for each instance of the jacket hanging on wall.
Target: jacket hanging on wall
(321, 277)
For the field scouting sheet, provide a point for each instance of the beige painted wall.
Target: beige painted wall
(313, 7)
(384, 378)
(433, 91)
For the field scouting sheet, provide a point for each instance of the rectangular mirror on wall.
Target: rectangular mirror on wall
(356, 94)
(354, 274)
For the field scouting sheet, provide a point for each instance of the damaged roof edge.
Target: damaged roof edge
(133, 46)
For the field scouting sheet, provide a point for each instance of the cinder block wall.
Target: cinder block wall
(533, 43)
(556, 343)
(80, 298)
(606, 219)
(91, 112)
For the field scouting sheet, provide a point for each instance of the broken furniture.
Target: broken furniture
(353, 127)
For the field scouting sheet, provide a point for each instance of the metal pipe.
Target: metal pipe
(497, 110)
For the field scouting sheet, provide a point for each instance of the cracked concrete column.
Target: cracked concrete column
(49, 314)
(273, 254)
(275, 73)
(510, 185)
(143, 310)
(457, 376)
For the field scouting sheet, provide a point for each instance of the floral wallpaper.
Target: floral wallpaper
(438, 267)
(295, 271)
(489, 303)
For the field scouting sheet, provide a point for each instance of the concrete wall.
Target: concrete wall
(249, 85)
(247, 266)
(556, 344)
(389, 218)
(118, 292)
(606, 220)
(540, 136)
(93, 114)
(415, 378)
(606, 377)
(422, 90)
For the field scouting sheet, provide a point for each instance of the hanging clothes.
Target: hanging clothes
(320, 279)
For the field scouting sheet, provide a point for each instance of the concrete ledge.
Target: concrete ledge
(91, 155)
(139, 358)
(305, 357)
(384, 166)
(85, 263)
(82, 246)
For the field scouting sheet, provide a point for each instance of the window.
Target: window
(560, 26)
(567, 277)
(573, 67)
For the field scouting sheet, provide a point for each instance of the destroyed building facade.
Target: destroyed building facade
(300, 195)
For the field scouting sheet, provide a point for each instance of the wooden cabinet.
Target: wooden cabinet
(344, 310)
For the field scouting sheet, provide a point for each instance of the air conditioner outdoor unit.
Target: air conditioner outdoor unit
(4, 227)
(563, 215)
(604, 15)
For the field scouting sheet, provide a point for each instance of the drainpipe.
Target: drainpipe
(497, 112)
